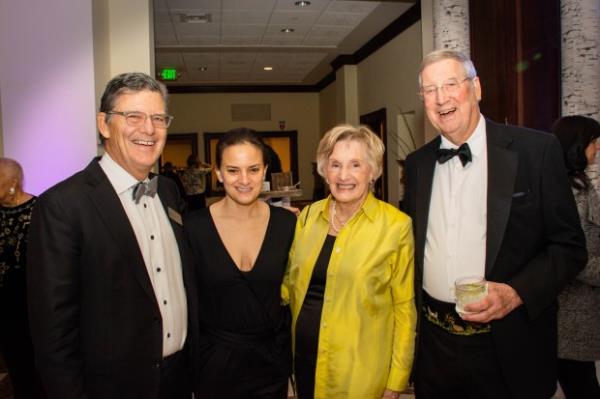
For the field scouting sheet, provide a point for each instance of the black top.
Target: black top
(226, 299)
(14, 229)
(309, 319)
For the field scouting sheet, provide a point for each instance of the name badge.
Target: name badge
(176, 216)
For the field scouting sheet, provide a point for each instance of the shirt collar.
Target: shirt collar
(476, 141)
(120, 179)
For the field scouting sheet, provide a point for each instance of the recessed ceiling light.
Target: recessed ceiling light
(202, 18)
(302, 3)
(287, 30)
(203, 69)
(268, 68)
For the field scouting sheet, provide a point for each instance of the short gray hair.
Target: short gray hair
(439, 55)
(373, 144)
(130, 82)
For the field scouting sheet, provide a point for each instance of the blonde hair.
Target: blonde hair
(439, 55)
(362, 134)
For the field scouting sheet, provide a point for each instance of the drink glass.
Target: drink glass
(468, 290)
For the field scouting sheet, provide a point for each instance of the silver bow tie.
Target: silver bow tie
(145, 188)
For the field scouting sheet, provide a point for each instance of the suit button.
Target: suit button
(156, 365)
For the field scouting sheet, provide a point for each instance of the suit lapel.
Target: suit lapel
(110, 209)
(502, 171)
(424, 185)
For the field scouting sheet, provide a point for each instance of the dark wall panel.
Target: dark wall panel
(515, 45)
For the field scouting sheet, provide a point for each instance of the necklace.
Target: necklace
(334, 227)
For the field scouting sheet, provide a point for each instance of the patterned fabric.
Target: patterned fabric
(578, 320)
(14, 227)
(451, 322)
(194, 180)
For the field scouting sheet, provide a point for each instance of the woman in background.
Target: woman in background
(194, 182)
(350, 279)
(15, 339)
(240, 246)
(579, 303)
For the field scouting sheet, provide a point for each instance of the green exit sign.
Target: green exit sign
(168, 74)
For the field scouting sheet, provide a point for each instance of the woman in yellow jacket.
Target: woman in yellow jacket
(350, 279)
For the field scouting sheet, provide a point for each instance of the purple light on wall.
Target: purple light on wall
(47, 88)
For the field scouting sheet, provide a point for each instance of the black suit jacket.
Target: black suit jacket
(534, 243)
(95, 321)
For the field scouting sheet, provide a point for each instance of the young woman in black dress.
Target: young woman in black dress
(240, 246)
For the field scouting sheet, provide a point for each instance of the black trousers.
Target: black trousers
(304, 371)
(175, 377)
(578, 379)
(452, 366)
(17, 351)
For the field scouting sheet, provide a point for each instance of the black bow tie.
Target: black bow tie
(145, 188)
(463, 152)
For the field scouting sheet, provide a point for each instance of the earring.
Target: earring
(11, 191)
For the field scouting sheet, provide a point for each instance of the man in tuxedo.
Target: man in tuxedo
(110, 280)
(494, 201)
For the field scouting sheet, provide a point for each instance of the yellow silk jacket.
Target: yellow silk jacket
(366, 341)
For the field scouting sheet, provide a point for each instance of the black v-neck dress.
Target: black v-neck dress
(245, 349)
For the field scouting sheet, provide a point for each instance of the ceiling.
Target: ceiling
(230, 42)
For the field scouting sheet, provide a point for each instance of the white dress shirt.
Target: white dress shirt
(159, 248)
(457, 224)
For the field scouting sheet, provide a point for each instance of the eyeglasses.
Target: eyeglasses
(449, 88)
(137, 118)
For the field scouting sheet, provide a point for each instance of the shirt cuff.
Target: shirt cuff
(398, 379)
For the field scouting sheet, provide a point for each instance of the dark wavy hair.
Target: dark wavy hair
(240, 135)
(575, 133)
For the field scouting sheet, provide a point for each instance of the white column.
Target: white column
(580, 26)
(347, 94)
(451, 25)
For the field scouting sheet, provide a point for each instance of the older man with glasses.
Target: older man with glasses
(110, 287)
(490, 203)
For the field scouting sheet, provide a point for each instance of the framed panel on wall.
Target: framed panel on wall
(284, 143)
(377, 122)
(178, 148)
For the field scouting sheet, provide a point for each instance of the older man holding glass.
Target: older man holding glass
(492, 201)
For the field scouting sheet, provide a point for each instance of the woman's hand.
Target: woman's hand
(389, 394)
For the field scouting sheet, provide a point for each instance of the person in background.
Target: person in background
(579, 302)
(350, 279)
(16, 207)
(169, 171)
(110, 280)
(194, 181)
(492, 201)
(240, 246)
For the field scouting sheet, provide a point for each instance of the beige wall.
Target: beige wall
(388, 78)
(203, 113)
(328, 108)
